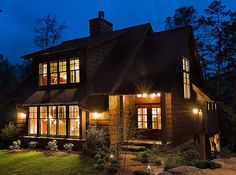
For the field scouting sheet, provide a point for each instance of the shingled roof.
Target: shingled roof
(139, 59)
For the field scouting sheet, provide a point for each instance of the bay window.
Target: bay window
(43, 74)
(32, 120)
(74, 120)
(74, 70)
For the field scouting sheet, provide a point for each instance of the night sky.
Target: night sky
(18, 17)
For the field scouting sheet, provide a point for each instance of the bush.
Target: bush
(15, 145)
(226, 153)
(190, 153)
(101, 164)
(52, 145)
(68, 147)
(114, 166)
(95, 139)
(172, 161)
(32, 144)
(9, 134)
(151, 155)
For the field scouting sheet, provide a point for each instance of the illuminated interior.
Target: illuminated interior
(74, 120)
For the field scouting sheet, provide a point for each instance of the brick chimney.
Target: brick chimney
(99, 25)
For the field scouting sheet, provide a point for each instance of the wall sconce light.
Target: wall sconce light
(195, 111)
(22, 115)
(96, 115)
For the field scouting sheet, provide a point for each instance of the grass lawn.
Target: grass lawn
(36, 163)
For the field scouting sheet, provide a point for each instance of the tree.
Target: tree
(215, 39)
(48, 32)
(184, 16)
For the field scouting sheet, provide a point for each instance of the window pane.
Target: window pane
(32, 112)
(74, 120)
(63, 77)
(74, 127)
(53, 67)
(43, 120)
(74, 70)
(142, 118)
(156, 118)
(54, 78)
(62, 120)
(33, 126)
(43, 126)
(52, 120)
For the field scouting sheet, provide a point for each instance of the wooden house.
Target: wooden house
(132, 80)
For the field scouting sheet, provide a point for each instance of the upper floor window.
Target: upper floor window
(43, 74)
(74, 70)
(186, 78)
(62, 72)
(53, 73)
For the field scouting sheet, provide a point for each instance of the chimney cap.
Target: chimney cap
(101, 14)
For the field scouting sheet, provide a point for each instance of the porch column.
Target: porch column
(163, 119)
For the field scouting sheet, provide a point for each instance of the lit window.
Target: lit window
(74, 120)
(62, 120)
(156, 118)
(142, 118)
(43, 74)
(62, 72)
(186, 78)
(52, 120)
(32, 120)
(53, 73)
(139, 95)
(43, 120)
(74, 70)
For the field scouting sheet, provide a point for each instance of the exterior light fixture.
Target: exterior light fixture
(148, 167)
(195, 111)
(144, 95)
(111, 156)
(96, 115)
(22, 115)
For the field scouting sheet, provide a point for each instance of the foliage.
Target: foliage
(226, 153)
(48, 31)
(152, 155)
(9, 133)
(95, 139)
(52, 145)
(15, 145)
(68, 147)
(101, 164)
(114, 166)
(32, 144)
(190, 153)
(172, 161)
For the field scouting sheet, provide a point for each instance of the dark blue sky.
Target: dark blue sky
(18, 17)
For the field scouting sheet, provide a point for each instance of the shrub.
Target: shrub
(15, 145)
(114, 166)
(32, 144)
(101, 164)
(68, 147)
(172, 161)
(226, 153)
(52, 145)
(151, 155)
(9, 134)
(95, 139)
(190, 153)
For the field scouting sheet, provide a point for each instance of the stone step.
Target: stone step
(133, 148)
